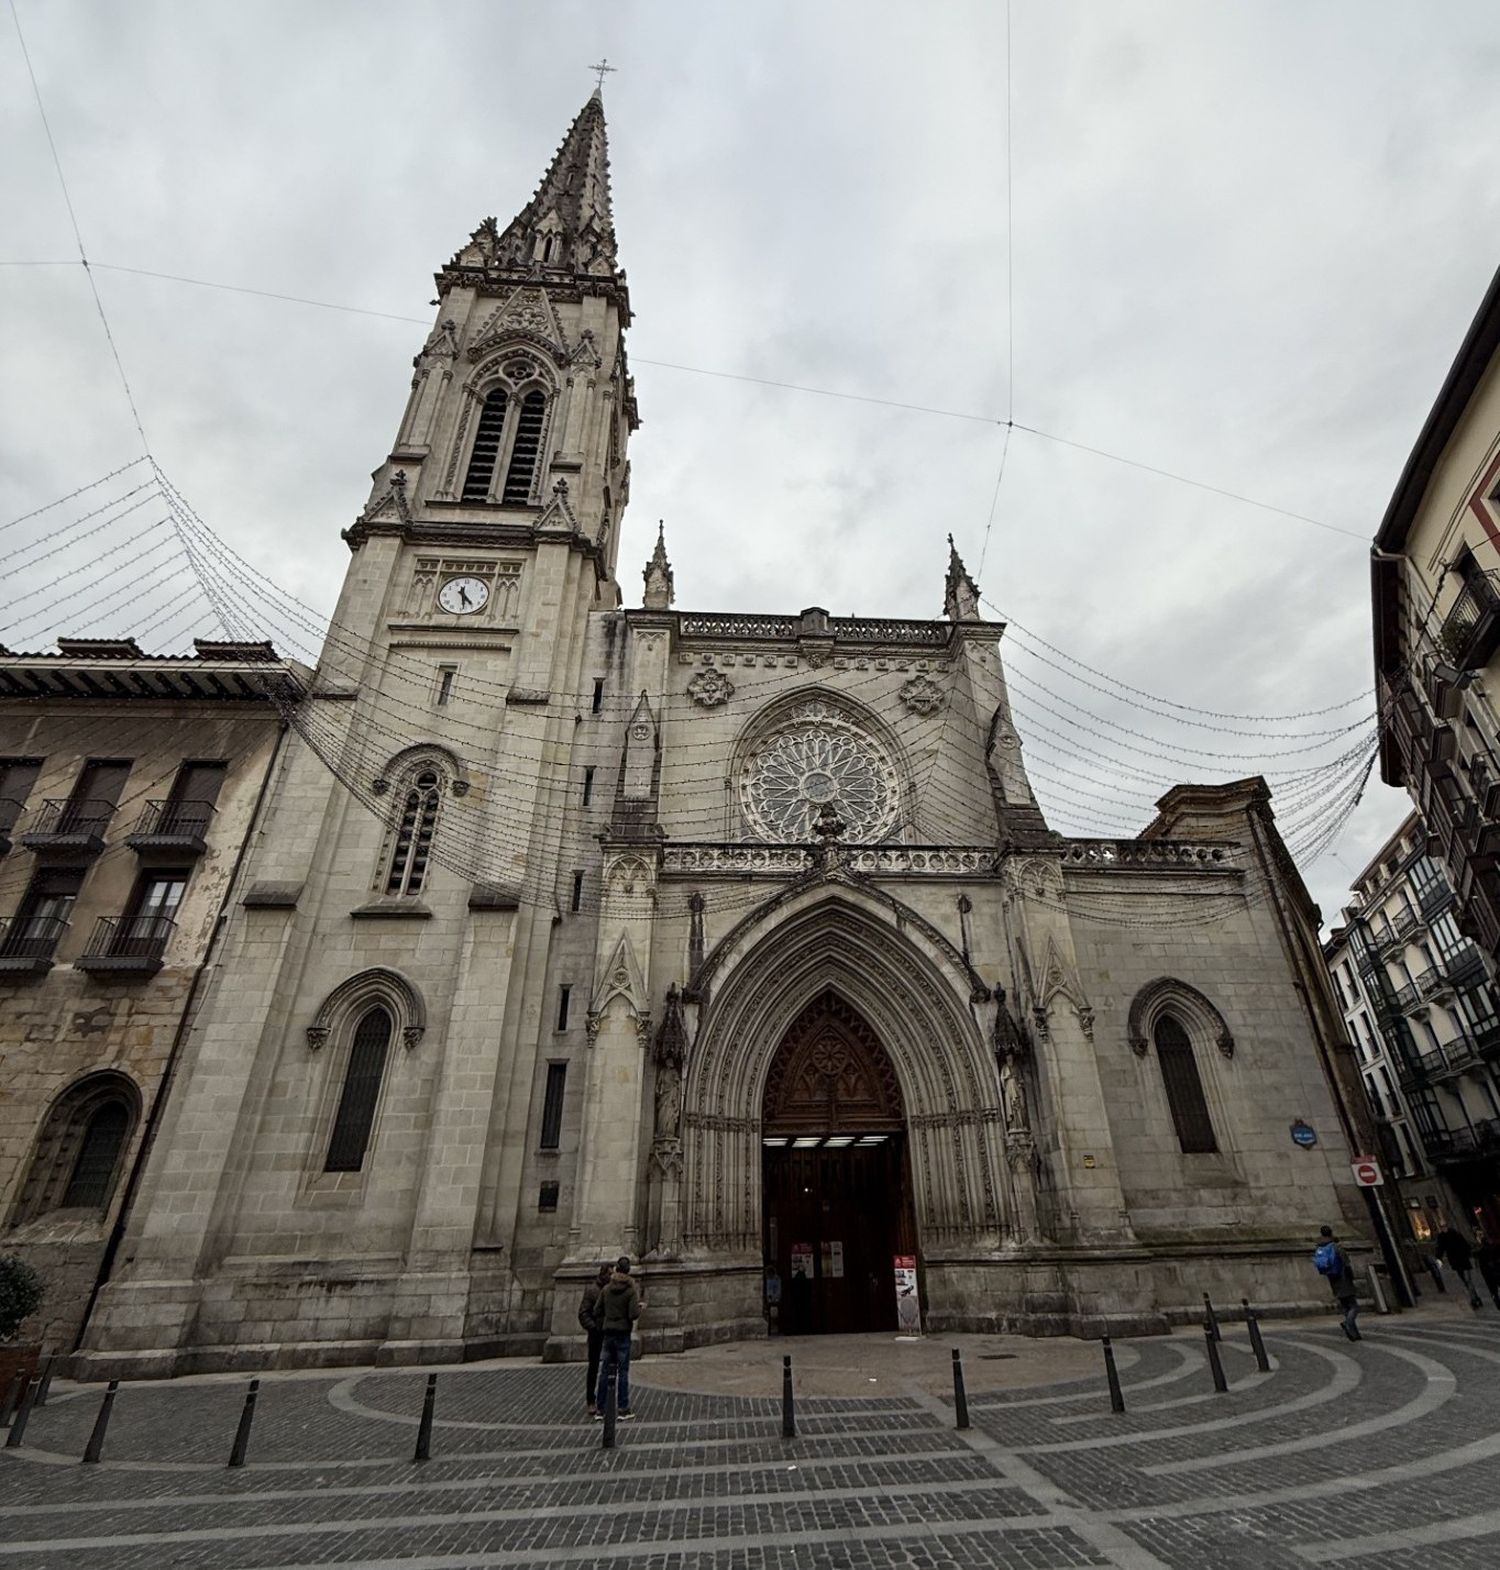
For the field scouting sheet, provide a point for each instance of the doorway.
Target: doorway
(837, 1206)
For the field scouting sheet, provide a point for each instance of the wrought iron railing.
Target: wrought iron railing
(70, 820)
(127, 942)
(31, 937)
(172, 820)
(1472, 626)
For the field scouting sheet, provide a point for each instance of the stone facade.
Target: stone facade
(550, 885)
(95, 993)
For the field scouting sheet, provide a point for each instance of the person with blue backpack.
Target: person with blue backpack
(1333, 1263)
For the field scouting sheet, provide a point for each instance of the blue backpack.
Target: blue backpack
(1326, 1258)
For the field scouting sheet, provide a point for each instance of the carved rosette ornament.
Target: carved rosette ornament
(709, 688)
(922, 695)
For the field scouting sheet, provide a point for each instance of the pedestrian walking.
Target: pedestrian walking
(1333, 1263)
(1487, 1257)
(593, 1325)
(1453, 1246)
(619, 1308)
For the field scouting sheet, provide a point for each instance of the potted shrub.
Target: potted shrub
(21, 1294)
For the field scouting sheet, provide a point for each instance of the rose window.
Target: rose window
(818, 760)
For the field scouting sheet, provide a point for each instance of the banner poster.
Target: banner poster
(833, 1257)
(908, 1307)
(802, 1260)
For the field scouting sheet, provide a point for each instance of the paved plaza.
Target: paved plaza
(1382, 1453)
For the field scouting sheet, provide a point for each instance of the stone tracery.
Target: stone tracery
(817, 758)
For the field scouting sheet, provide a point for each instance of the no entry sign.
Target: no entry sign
(1366, 1170)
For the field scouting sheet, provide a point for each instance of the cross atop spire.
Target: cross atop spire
(602, 68)
(567, 226)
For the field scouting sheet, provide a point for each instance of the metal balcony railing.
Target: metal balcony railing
(1405, 920)
(1407, 997)
(1463, 1144)
(127, 943)
(172, 826)
(29, 942)
(1432, 981)
(1471, 629)
(69, 825)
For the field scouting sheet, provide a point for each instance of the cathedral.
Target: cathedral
(735, 943)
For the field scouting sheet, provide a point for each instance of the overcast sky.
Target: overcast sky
(1247, 240)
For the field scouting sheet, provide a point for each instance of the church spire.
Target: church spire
(960, 593)
(658, 574)
(568, 225)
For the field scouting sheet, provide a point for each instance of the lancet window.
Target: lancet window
(488, 437)
(411, 848)
(355, 1118)
(1184, 1086)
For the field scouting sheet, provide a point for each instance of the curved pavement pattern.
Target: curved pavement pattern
(1385, 1453)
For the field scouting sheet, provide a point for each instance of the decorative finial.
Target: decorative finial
(961, 593)
(658, 574)
(603, 68)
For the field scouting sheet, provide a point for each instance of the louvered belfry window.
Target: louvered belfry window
(1184, 1086)
(356, 1114)
(94, 1169)
(413, 847)
(525, 452)
(486, 453)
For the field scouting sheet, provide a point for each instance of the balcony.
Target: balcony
(1404, 921)
(1386, 940)
(1431, 983)
(74, 828)
(127, 945)
(175, 828)
(1467, 969)
(1407, 997)
(27, 943)
(1471, 629)
(1464, 1144)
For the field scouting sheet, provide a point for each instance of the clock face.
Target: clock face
(464, 596)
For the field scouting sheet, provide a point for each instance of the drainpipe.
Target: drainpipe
(156, 1110)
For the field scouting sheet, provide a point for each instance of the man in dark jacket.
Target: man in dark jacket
(1453, 1246)
(1487, 1257)
(588, 1317)
(1333, 1262)
(619, 1308)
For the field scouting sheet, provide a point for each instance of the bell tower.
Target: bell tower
(521, 402)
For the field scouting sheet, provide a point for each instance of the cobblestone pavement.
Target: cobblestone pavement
(1382, 1453)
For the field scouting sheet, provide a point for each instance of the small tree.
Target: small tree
(21, 1294)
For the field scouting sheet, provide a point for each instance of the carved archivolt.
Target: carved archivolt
(831, 1072)
(1167, 994)
(354, 995)
(911, 996)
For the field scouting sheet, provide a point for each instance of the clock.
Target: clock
(464, 596)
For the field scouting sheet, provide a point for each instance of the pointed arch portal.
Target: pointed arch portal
(837, 1204)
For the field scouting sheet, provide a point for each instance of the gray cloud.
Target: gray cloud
(1247, 240)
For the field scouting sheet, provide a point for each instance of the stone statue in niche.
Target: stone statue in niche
(1012, 1053)
(669, 1053)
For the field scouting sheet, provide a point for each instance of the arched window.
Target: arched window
(356, 1114)
(525, 450)
(414, 830)
(1184, 1086)
(94, 1170)
(486, 452)
(77, 1160)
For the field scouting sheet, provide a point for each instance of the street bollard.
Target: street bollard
(94, 1450)
(1216, 1368)
(960, 1400)
(1116, 1395)
(1211, 1319)
(11, 1399)
(242, 1433)
(611, 1407)
(22, 1415)
(788, 1407)
(424, 1428)
(1257, 1345)
(44, 1379)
